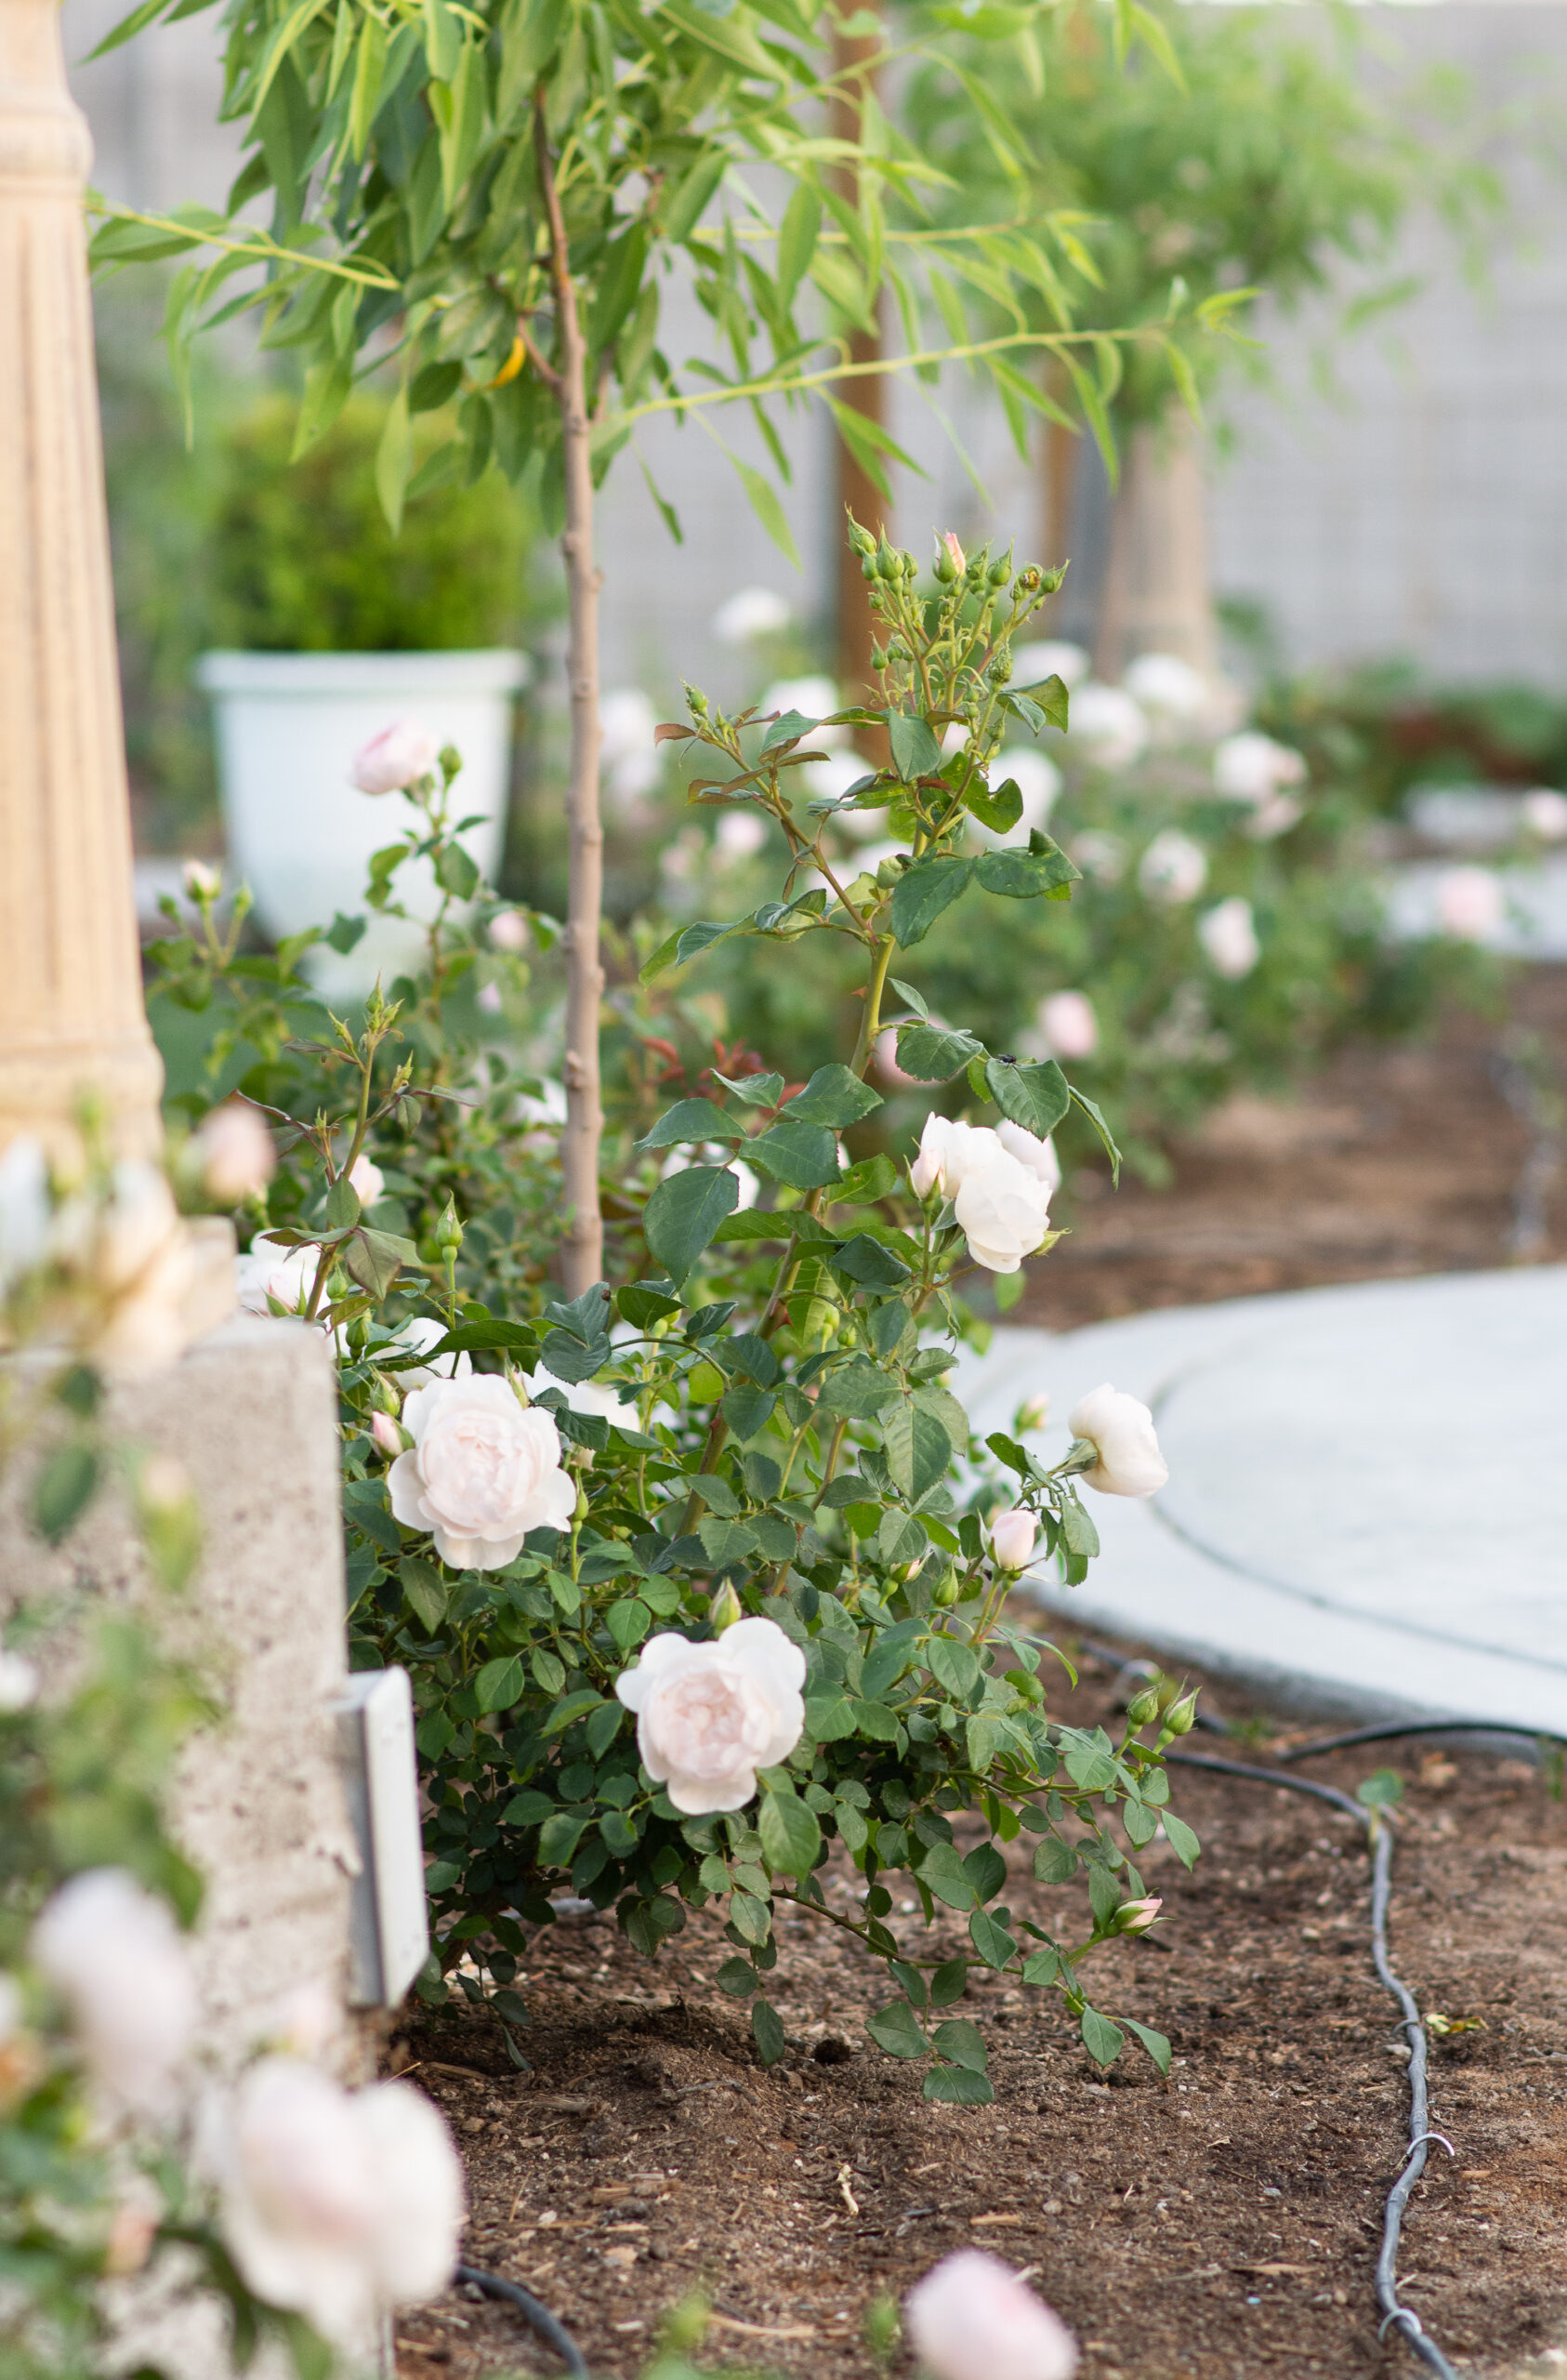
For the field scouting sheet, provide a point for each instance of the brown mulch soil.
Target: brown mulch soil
(1221, 2225)
(1398, 1159)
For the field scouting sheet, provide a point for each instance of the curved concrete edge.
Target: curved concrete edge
(1154, 1586)
(486, 670)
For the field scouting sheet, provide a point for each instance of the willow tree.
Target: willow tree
(490, 198)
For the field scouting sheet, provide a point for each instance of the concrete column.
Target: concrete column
(70, 1010)
(1157, 594)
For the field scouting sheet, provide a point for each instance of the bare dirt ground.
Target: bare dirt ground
(1220, 2226)
(1440, 1156)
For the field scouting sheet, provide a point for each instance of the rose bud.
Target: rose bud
(1034, 1413)
(203, 883)
(395, 759)
(1137, 1916)
(1013, 1536)
(724, 1609)
(389, 1435)
(1180, 1719)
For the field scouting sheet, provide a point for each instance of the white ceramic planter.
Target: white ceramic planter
(299, 833)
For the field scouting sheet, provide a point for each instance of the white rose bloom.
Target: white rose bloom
(19, 1682)
(755, 611)
(1029, 1149)
(1177, 694)
(830, 778)
(1121, 1429)
(1001, 1199)
(12, 2009)
(1471, 904)
(115, 1955)
(628, 754)
(422, 1332)
(1252, 768)
(814, 698)
(740, 836)
(1048, 657)
(1228, 934)
(1066, 1025)
(1173, 869)
(1544, 812)
(1037, 779)
(973, 2317)
(366, 1180)
(334, 2204)
(398, 757)
(1108, 728)
(481, 1472)
(1101, 856)
(24, 1208)
(708, 1716)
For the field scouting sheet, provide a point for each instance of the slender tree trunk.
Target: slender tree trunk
(583, 1252)
(856, 489)
(1157, 596)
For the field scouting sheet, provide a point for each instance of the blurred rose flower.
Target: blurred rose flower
(489, 1000)
(142, 1263)
(335, 2204)
(708, 1716)
(115, 1954)
(1252, 768)
(24, 1208)
(1109, 729)
(202, 883)
(1228, 934)
(1066, 1025)
(19, 1682)
(1173, 869)
(754, 613)
(1544, 812)
(1471, 904)
(1048, 657)
(1034, 1413)
(395, 759)
(1171, 689)
(741, 835)
(235, 1152)
(628, 756)
(1101, 856)
(814, 699)
(973, 2317)
(508, 931)
(1122, 1431)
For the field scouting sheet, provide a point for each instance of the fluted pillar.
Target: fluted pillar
(72, 1018)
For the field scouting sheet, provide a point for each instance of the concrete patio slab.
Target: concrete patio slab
(1367, 1505)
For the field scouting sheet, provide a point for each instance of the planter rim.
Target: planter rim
(490, 671)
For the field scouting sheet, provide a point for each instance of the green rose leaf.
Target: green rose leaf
(805, 1156)
(747, 1411)
(954, 1666)
(500, 1684)
(1156, 2044)
(791, 1836)
(832, 1096)
(1049, 696)
(1089, 1765)
(1181, 1839)
(683, 1213)
(943, 1873)
(918, 1450)
(559, 1836)
(738, 1978)
(1035, 1097)
(864, 1262)
(1080, 1099)
(1024, 876)
(726, 1542)
(992, 1942)
(920, 895)
(998, 807)
(931, 1054)
(766, 2031)
(829, 1717)
(963, 2042)
(1103, 2041)
(690, 1119)
(897, 2030)
(456, 873)
(949, 1983)
(424, 1591)
(959, 2087)
(916, 750)
(873, 1719)
(858, 1390)
(986, 1869)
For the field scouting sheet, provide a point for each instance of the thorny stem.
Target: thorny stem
(583, 1254)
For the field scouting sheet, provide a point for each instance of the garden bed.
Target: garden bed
(1214, 2228)
(1397, 1159)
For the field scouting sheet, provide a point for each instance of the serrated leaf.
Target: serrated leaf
(918, 1450)
(1181, 1839)
(943, 1873)
(738, 1978)
(1055, 1862)
(1036, 1097)
(1024, 876)
(804, 1155)
(918, 898)
(791, 1836)
(559, 1836)
(683, 1213)
(949, 1982)
(834, 1096)
(424, 1591)
(866, 1262)
(858, 1390)
(992, 1942)
(997, 807)
(828, 1718)
(954, 1666)
(690, 1119)
(1103, 2041)
(916, 751)
(726, 1542)
(896, 2029)
(959, 2087)
(500, 1684)
(932, 1054)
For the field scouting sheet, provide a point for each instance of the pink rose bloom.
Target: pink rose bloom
(1122, 1430)
(396, 759)
(973, 2317)
(1067, 1025)
(1471, 904)
(482, 1470)
(1228, 934)
(238, 1159)
(708, 1716)
(1013, 1536)
(114, 1953)
(508, 932)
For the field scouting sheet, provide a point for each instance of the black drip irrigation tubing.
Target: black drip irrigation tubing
(1395, 2316)
(538, 2317)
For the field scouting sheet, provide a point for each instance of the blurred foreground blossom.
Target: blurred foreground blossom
(752, 614)
(114, 1953)
(708, 1716)
(335, 2204)
(24, 1208)
(508, 932)
(19, 1682)
(1251, 767)
(366, 1180)
(1228, 934)
(397, 758)
(235, 1152)
(142, 1263)
(1121, 1430)
(1171, 689)
(741, 835)
(973, 2317)
(1471, 904)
